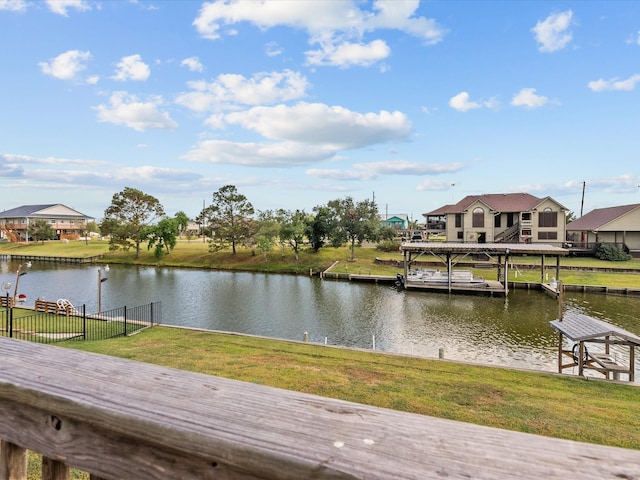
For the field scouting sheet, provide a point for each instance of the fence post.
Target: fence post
(125, 320)
(10, 320)
(152, 314)
(84, 321)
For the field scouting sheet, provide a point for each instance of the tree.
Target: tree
(183, 221)
(229, 216)
(355, 222)
(163, 236)
(127, 219)
(293, 226)
(318, 227)
(41, 230)
(268, 230)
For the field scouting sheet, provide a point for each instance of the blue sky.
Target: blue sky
(297, 103)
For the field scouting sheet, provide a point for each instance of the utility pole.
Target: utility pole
(584, 184)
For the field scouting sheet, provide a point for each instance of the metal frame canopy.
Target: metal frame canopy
(412, 250)
(582, 329)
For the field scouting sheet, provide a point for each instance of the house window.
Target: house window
(526, 216)
(52, 221)
(526, 232)
(547, 235)
(547, 218)
(478, 218)
(496, 221)
(458, 220)
(460, 235)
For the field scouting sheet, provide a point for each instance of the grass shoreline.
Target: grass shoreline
(562, 406)
(542, 403)
(195, 254)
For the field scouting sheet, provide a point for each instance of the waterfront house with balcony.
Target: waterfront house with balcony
(618, 225)
(66, 222)
(500, 218)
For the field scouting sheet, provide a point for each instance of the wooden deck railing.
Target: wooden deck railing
(119, 419)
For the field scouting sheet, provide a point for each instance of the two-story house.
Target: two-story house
(500, 217)
(66, 222)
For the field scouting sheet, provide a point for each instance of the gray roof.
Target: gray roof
(492, 248)
(598, 218)
(36, 211)
(579, 327)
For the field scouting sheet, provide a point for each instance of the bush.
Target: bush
(388, 246)
(612, 253)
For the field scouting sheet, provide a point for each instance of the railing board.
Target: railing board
(121, 419)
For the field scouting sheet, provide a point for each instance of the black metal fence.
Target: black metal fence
(44, 327)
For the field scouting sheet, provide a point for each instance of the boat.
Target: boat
(459, 278)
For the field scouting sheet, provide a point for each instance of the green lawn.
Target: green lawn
(561, 406)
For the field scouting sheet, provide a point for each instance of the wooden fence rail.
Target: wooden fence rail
(119, 419)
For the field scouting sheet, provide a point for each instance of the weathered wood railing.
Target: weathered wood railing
(119, 419)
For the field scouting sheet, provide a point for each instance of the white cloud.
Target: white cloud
(338, 27)
(272, 49)
(461, 102)
(258, 154)
(127, 110)
(67, 65)
(553, 33)
(300, 135)
(232, 89)
(527, 97)
(13, 5)
(320, 124)
(132, 68)
(369, 171)
(432, 185)
(615, 84)
(61, 6)
(348, 54)
(192, 63)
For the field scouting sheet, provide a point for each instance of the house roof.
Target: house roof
(389, 216)
(499, 202)
(56, 210)
(598, 218)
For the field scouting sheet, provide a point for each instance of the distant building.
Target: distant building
(500, 217)
(613, 225)
(397, 221)
(66, 222)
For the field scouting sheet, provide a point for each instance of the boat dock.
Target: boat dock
(452, 253)
(43, 258)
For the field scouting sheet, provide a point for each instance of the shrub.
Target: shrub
(388, 246)
(612, 253)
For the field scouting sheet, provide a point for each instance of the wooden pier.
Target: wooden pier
(44, 258)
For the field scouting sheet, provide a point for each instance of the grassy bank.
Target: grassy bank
(559, 406)
(195, 254)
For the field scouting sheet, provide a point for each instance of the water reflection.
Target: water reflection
(495, 331)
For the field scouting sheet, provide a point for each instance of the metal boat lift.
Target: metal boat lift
(451, 253)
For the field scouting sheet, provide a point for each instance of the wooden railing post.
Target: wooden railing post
(54, 469)
(13, 461)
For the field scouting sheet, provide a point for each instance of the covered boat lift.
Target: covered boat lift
(451, 253)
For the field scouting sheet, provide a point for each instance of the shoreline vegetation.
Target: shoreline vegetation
(195, 254)
(561, 406)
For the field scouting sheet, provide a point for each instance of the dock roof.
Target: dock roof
(579, 327)
(490, 248)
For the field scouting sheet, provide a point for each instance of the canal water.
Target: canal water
(512, 331)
